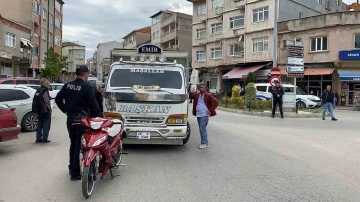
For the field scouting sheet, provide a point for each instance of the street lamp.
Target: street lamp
(275, 35)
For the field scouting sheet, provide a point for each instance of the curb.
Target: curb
(268, 114)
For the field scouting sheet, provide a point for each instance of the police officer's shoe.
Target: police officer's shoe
(272, 116)
(282, 116)
(46, 141)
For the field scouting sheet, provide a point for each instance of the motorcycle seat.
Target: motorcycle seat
(115, 129)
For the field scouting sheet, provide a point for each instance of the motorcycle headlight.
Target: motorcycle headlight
(83, 141)
(99, 141)
(95, 125)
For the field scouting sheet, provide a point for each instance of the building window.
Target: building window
(217, 3)
(201, 10)
(43, 34)
(260, 45)
(57, 23)
(213, 83)
(327, 4)
(319, 44)
(216, 28)
(44, 14)
(236, 22)
(10, 40)
(79, 57)
(200, 55)
(57, 41)
(357, 41)
(201, 33)
(337, 2)
(50, 37)
(236, 49)
(51, 19)
(58, 6)
(301, 15)
(261, 14)
(216, 53)
(36, 7)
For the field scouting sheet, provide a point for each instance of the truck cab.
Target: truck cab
(151, 95)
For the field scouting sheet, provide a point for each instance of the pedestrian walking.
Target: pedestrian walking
(204, 105)
(42, 107)
(79, 103)
(328, 101)
(277, 93)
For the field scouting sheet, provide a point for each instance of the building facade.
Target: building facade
(331, 52)
(137, 38)
(75, 54)
(91, 65)
(102, 56)
(45, 19)
(234, 37)
(172, 31)
(15, 49)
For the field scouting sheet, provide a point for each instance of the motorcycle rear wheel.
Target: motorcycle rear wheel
(88, 180)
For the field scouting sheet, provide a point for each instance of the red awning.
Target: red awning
(312, 71)
(239, 72)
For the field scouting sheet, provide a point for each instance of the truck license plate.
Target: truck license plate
(143, 135)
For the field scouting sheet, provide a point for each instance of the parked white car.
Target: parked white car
(263, 91)
(20, 97)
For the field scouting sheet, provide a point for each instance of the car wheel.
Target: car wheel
(302, 105)
(30, 122)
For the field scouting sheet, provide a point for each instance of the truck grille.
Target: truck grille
(141, 120)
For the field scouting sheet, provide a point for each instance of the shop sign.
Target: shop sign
(349, 55)
(4, 54)
(295, 61)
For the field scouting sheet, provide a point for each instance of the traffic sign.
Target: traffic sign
(275, 72)
(295, 75)
(295, 69)
(273, 79)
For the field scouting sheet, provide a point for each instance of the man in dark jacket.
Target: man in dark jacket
(79, 103)
(328, 101)
(42, 107)
(204, 105)
(277, 93)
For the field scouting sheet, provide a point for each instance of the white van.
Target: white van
(263, 92)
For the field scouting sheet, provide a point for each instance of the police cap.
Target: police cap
(82, 69)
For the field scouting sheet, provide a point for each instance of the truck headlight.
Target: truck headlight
(177, 119)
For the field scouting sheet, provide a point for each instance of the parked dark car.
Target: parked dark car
(9, 129)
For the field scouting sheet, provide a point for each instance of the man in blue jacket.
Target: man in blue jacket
(328, 101)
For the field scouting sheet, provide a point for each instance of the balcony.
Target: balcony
(200, 41)
(170, 45)
(167, 36)
(168, 21)
(215, 37)
(239, 3)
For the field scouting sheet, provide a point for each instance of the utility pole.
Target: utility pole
(275, 35)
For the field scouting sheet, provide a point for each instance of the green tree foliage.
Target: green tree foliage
(250, 95)
(53, 64)
(250, 78)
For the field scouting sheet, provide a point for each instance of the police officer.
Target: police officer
(79, 103)
(277, 92)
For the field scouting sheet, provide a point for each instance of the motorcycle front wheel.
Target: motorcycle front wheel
(88, 179)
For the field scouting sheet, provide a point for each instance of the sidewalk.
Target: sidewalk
(300, 114)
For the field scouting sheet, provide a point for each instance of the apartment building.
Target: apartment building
(75, 54)
(137, 38)
(331, 52)
(102, 57)
(44, 17)
(91, 65)
(15, 49)
(172, 30)
(234, 37)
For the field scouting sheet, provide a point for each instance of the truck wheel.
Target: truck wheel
(188, 131)
(29, 122)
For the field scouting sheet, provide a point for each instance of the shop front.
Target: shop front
(349, 75)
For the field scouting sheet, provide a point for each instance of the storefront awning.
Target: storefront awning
(312, 71)
(349, 75)
(26, 42)
(240, 72)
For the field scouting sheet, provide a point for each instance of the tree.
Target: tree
(53, 64)
(250, 78)
(250, 95)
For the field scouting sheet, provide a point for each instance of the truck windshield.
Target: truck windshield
(146, 77)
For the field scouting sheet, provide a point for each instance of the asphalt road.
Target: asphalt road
(249, 159)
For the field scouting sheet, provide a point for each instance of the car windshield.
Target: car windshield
(300, 92)
(151, 76)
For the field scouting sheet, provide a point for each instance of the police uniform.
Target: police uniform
(80, 102)
(277, 100)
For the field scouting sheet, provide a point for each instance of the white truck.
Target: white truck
(151, 95)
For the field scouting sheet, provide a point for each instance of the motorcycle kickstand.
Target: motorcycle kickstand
(113, 176)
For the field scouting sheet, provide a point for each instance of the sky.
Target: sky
(90, 22)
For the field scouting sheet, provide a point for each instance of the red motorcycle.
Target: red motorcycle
(101, 149)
